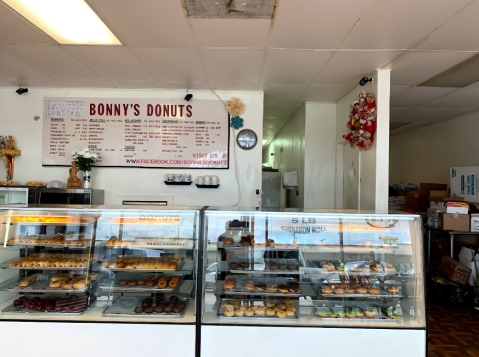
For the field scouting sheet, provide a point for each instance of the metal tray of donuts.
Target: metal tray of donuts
(113, 284)
(254, 302)
(42, 286)
(240, 289)
(380, 316)
(179, 267)
(124, 306)
(74, 307)
(382, 293)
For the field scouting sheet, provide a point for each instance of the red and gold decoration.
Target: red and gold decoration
(8, 152)
(362, 121)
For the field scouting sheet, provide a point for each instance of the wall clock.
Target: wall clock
(246, 139)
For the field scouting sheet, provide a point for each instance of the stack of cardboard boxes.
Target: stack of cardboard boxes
(465, 183)
(448, 213)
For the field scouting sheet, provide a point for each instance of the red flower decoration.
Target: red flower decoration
(362, 121)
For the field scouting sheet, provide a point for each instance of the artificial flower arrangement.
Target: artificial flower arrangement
(361, 125)
(84, 159)
(235, 108)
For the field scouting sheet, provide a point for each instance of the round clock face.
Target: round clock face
(247, 139)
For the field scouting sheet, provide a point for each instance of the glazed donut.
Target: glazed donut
(229, 313)
(173, 283)
(373, 291)
(327, 290)
(270, 312)
(162, 284)
(361, 290)
(290, 312)
(152, 277)
(260, 311)
(281, 313)
(79, 285)
(339, 291)
(67, 286)
(234, 265)
(239, 312)
(270, 304)
(393, 289)
(56, 284)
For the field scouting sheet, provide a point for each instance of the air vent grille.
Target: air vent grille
(243, 9)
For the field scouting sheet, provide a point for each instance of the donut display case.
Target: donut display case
(275, 272)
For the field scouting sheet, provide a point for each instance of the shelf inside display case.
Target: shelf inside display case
(162, 244)
(48, 284)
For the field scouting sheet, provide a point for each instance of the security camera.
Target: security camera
(365, 81)
(21, 90)
(188, 97)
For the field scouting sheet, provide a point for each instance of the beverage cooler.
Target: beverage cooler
(191, 281)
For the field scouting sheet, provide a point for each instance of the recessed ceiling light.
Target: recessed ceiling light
(67, 21)
(264, 141)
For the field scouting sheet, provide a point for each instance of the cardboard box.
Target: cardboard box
(397, 203)
(474, 222)
(465, 258)
(454, 222)
(457, 207)
(464, 182)
(419, 200)
(454, 270)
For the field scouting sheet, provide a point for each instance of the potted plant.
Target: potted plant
(84, 160)
(476, 282)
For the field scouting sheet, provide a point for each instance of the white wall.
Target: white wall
(319, 157)
(426, 154)
(291, 139)
(16, 119)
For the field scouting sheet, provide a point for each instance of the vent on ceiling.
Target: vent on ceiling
(245, 9)
(394, 126)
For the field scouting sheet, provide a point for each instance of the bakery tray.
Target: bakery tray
(189, 244)
(382, 294)
(40, 244)
(379, 317)
(112, 284)
(124, 307)
(240, 290)
(221, 314)
(16, 310)
(43, 286)
(48, 268)
(180, 266)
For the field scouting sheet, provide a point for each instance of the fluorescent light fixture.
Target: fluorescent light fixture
(264, 141)
(67, 21)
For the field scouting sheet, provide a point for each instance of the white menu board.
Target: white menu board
(160, 133)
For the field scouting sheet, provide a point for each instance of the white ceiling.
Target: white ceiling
(312, 50)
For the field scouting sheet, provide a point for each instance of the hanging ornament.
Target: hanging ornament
(235, 107)
(362, 125)
(236, 122)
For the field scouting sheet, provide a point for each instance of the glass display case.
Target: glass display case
(310, 268)
(101, 264)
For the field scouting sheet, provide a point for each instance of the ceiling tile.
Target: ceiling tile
(89, 84)
(138, 85)
(6, 83)
(12, 68)
(456, 34)
(325, 92)
(409, 127)
(415, 67)
(39, 83)
(318, 24)
(157, 23)
(186, 86)
(235, 86)
(454, 113)
(395, 113)
(283, 94)
(421, 114)
(465, 97)
(277, 111)
(232, 66)
(171, 64)
(391, 24)
(231, 32)
(52, 60)
(348, 67)
(111, 62)
(14, 29)
(271, 123)
(270, 131)
(395, 90)
(301, 66)
(415, 96)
